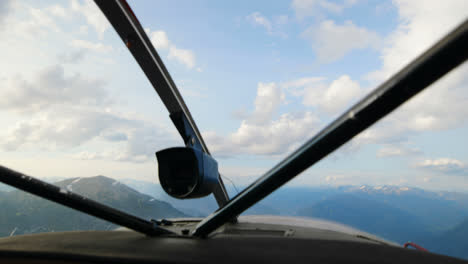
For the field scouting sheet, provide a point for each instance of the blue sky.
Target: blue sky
(259, 77)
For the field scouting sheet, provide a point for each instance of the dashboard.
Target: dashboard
(236, 243)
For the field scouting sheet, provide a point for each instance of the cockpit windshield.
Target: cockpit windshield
(260, 80)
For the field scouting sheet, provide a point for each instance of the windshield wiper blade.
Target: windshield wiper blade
(126, 24)
(440, 59)
(78, 202)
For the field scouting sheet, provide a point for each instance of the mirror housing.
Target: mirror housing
(186, 172)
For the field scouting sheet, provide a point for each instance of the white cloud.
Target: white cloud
(72, 57)
(93, 15)
(276, 137)
(41, 19)
(260, 133)
(331, 98)
(394, 151)
(83, 30)
(184, 56)
(258, 19)
(48, 88)
(60, 127)
(127, 138)
(36, 23)
(269, 97)
(422, 23)
(389, 152)
(297, 86)
(96, 47)
(160, 41)
(193, 92)
(272, 27)
(444, 165)
(438, 108)
(140, 143)
(62, 112)
(58, 11)
(331, 41)
(110, 155)
(305, 8)
(339, 94)
(443, 105)
(29, 21)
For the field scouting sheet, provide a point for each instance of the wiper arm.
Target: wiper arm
(440, 59)
(125, 23)
(78, 202)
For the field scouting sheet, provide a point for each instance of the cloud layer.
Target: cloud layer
(161, 42)
(264, 132)
(307, 8)
(445, 165)
(59, 108)
(65, 112)
(50, 87)
(441, 106)
(332, 41)
(272, 26)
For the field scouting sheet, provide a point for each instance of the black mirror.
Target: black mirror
(186, 172)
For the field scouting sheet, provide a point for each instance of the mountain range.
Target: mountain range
(23, 213)
(451, 207)
(435, 220)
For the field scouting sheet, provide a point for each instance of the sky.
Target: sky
(259, 77)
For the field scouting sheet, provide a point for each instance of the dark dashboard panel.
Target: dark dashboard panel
(128, 246)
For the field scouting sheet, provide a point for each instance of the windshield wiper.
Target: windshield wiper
(125, 23)
(78, 202)
(440, 59)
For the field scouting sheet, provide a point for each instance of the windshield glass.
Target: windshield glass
(260, 79)
(77, 111)
(270, 75)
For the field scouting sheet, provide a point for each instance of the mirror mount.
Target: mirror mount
(185, 130)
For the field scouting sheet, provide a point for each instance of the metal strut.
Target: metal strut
(125, 23)
(441, 58)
